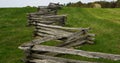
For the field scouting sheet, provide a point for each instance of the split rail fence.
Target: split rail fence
(49, 26)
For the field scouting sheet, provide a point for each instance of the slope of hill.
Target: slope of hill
(105, 23)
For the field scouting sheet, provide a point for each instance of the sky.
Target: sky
(23, 3)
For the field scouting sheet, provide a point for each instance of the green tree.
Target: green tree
(118, 4)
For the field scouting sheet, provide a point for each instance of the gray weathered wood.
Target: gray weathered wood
(77, 43)
(60, 27)
(45, 11)
(27, 45)
(50, 19)
(44, 61)
(54, 32)
(59, 32)
(63, 60)
(54, 6)
(76, 52)
(79, 40)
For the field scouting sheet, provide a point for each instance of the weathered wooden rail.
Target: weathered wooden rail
(37, 49)
(76, 35)
(76, 52)
(48, 19)
(51, 6)
(61, 60)
(47, 15)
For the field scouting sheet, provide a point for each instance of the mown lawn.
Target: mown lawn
(105, 23)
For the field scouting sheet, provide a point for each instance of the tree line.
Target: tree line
(103, 4)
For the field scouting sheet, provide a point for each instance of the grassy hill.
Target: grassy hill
(105, 23)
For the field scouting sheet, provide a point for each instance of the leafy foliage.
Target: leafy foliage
(118, 4)
(104, 4)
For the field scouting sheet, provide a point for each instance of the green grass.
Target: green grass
(13, 32)
(105, 23)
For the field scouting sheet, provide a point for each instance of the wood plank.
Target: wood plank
(42, 34)
(60, 27)
(27, 45)
(63, 60)
(44, 61)
(55, 16)
(54, 32)
(77, 43)
(54, 19)
(76, 52)
(46, 19)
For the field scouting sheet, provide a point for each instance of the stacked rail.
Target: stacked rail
(49, 26)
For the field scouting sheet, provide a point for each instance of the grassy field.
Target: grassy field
(105, 23)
